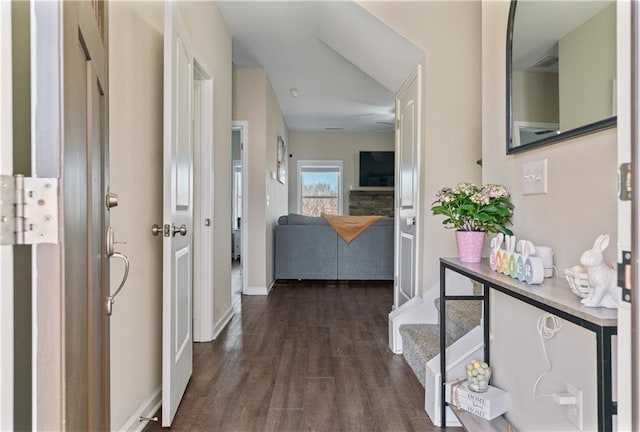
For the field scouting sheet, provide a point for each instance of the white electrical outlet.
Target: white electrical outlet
(574, 412)
(534, 177)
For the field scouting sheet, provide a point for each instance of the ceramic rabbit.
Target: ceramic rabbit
(602, 278)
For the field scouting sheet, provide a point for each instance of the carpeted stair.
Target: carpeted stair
(421, 342)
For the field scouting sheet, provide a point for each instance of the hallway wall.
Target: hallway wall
(254, 101)
(582, 172)
(136, 99)
(344, 146)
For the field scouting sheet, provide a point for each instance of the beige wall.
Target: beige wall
(344, 146)
(136, 98)
(587, 65)
(278, 200)
(254, 101)
(581, 204)
(448, 33)
(540, 91)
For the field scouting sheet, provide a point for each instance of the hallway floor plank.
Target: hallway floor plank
(308, 357)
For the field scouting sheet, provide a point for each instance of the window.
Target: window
(237, 195)
(319, 187)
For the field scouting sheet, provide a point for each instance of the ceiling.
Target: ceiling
(345, 64)
(540, 25)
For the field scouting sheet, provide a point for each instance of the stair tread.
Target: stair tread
(421, 342)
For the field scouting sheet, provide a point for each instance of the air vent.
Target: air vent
(333, 128)
(546, 61)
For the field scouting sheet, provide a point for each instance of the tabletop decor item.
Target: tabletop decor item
(487, 405)
(602, 277)
(474, 211)
(516, 260)
(478, 375)
(578, 280)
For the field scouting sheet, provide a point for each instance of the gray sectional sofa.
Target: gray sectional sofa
(309, 248)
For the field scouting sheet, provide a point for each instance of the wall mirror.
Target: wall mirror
(561, 71)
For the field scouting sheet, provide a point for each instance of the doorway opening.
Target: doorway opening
(239, 216)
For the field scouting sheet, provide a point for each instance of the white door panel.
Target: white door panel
(407, 167)
(177, 360)
(406, 281)
(407, 155)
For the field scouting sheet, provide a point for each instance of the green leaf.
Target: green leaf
(483, 217)
(503, 211)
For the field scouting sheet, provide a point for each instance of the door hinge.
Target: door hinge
(398, 124)
(28, 210)
(624, 276)
(624, 182)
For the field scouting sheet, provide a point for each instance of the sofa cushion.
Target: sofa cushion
(306, 252)
(385, 221)
(298, 219)
(369, 256)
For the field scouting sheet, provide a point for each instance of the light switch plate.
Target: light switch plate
(534, 177)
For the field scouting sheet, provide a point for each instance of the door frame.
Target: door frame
(203, 204)
(48, 279)
(6, 252)
(243, 126)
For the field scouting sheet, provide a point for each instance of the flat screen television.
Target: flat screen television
(377, 168)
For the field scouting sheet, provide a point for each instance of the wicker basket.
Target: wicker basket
(579, 282)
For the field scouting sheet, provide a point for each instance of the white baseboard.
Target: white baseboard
(222, 323)
(259, 290)
(256, 290)
(148, 409)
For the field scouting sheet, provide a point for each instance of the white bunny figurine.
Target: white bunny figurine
(602, 278)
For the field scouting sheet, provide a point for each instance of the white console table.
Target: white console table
(553, 296)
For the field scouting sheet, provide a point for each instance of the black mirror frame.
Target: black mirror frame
(563, 136)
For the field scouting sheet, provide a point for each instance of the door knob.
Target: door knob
(411, 221)
(182, 230)
(112, 199)
(156, 229)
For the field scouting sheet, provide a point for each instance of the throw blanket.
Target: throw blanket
(350, 227)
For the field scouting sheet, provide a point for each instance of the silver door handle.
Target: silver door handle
(112, 200)
(112, 298)
(411, 220)
(182, 230)
(156, 229)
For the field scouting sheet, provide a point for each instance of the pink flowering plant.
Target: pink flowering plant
(468, 207)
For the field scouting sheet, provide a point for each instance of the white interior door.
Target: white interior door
(177, 354)
(407, 169)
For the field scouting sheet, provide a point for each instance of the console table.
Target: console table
(553, 296)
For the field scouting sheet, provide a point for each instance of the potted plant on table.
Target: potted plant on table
(474, 211)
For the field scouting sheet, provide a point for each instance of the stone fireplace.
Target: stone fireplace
(371, 202)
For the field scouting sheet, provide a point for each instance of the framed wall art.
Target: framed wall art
(281, 163)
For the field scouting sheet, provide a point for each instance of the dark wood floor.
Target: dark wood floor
(308, 357)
